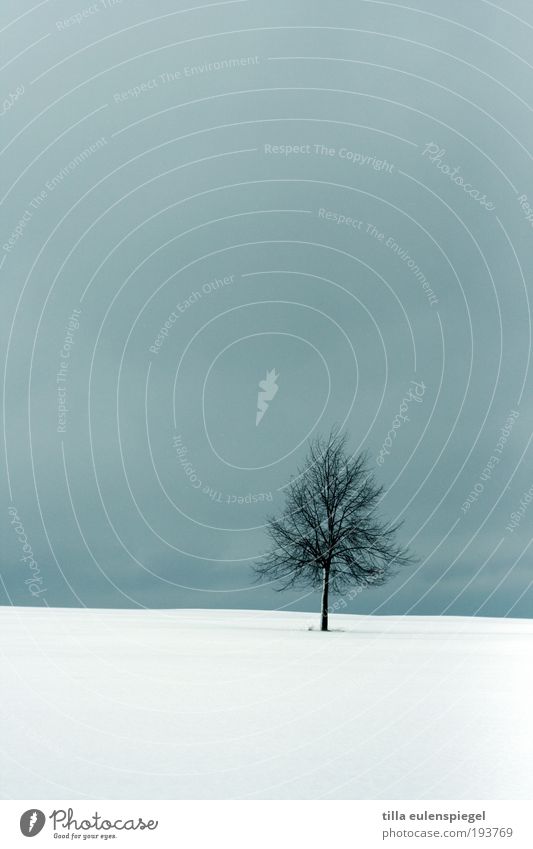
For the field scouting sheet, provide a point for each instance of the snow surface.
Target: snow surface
(252, 704)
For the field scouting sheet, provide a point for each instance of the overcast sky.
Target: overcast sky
(337, 192)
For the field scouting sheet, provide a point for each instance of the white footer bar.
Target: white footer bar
(267, 824)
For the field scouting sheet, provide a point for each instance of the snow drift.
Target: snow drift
(251, 704)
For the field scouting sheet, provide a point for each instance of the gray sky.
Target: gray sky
(338, 192)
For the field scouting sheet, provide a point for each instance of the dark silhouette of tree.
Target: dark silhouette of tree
(330, 535)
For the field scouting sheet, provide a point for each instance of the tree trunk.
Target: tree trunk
(325, 602)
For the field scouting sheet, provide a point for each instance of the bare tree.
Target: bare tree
(330, 535)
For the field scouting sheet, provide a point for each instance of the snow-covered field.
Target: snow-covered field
(251, 704)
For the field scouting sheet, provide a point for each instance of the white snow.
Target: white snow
(251, 704)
